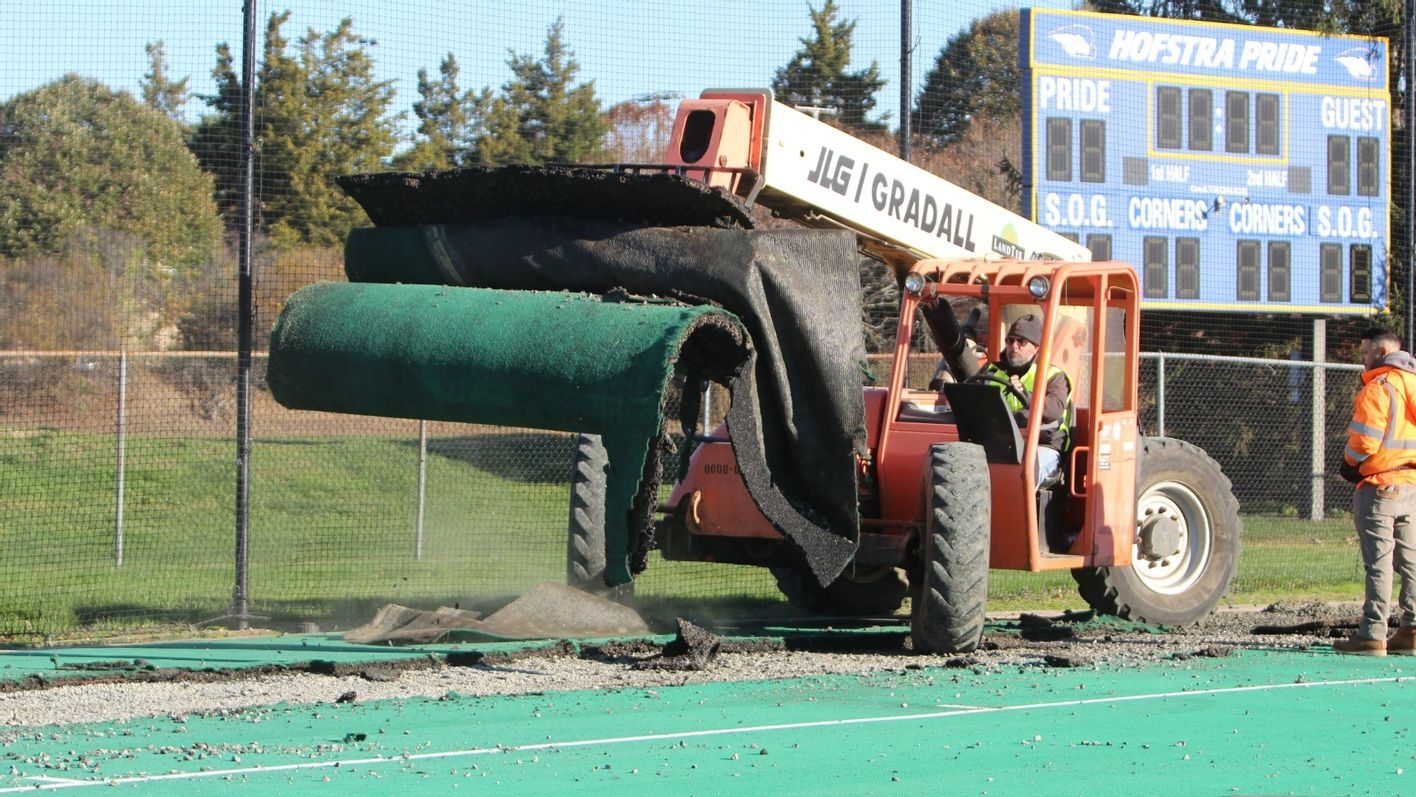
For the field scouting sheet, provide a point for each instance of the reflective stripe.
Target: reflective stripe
(1392, 416)
(1395, 409)
(1358, 458)
(1364, 429)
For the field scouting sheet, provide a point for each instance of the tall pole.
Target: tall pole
(1317, 430)
(907, 78)
(1406, 97)
(422, 489)
(122, 446)
(240, 601)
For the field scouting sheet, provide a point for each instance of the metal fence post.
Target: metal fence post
(1318, 422)
(122, 446)
(422, 487)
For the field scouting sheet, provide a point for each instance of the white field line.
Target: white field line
(44, 783)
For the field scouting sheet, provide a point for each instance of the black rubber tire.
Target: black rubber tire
(948, 611)
(857, 592)
(585, 539)
(1180, 477)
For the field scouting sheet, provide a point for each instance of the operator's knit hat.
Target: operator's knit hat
(1028, 327)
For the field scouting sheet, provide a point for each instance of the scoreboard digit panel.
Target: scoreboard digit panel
(1238, 168)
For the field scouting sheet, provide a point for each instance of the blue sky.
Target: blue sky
(628, 47)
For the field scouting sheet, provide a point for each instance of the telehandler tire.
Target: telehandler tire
(585, 538)
(1187, 541)
(949, 606)
(857, 592)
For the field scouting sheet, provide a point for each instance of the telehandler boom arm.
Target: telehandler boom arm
(766, 152)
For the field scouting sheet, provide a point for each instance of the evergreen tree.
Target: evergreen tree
(816, 75)
(160, 92)
(319, 114)
(448, 120)
(216, 141)
(542, 114)
(339, 124)
(975, 74)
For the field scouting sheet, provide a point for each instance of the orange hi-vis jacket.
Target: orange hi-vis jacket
(1381, 440)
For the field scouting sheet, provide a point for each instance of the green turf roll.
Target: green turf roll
(545, 360)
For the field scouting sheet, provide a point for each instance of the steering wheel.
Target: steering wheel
(985, 377)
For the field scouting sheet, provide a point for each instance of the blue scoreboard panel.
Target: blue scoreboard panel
(1237, 168)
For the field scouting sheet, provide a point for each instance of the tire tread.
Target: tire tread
(1117, 591)
(952, 600)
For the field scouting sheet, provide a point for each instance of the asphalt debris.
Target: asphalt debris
(1208, 652)
(694, 648)
(1067, 661)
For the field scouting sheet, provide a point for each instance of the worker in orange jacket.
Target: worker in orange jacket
(1380, 460)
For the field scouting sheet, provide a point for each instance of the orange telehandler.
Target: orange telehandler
(1148, 527)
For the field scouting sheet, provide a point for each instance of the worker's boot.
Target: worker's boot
(1360, 646)
(1403, 642)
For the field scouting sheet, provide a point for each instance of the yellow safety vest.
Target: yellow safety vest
(1062, 425)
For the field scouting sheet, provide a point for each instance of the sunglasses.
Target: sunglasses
(1014, 340)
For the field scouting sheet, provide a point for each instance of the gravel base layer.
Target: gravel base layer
(1044, 640)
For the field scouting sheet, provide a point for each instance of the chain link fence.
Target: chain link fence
(119, 496)
(123, 247)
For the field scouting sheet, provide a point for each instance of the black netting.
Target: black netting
(121, 201)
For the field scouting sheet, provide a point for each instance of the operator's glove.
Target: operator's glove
(1349, 473)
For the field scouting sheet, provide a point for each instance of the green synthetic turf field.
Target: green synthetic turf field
(1253, 723)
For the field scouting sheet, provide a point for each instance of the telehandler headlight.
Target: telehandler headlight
(1039, 286)
(914, 283)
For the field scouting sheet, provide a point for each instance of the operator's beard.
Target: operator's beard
(1016, 362)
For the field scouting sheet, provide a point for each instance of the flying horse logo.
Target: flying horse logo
(1076, 40)
(1358, 62)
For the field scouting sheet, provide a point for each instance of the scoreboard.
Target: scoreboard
(1237, 168)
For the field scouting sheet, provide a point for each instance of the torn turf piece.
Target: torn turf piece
(798, 416)
(541, 360)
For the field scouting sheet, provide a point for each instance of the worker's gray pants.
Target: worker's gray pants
(1048, 461)
(1385, 516)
